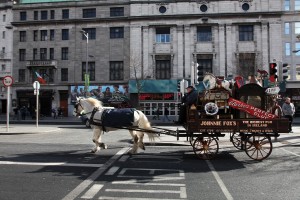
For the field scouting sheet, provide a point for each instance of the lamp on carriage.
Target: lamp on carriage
(86, 75)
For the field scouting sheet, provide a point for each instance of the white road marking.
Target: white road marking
(126, 198)
(83, 185)
(50, 164)
(219, 180)
(112, 171)
(92, 191)
(123, 158)
(291, 152)
(182, 191)
(146, 182)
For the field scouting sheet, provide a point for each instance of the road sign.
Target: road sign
(273, 90)
(7, 81)
(36, 85)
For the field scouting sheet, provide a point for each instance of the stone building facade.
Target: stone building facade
(156, 41)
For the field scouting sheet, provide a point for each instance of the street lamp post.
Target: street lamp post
(86, 76)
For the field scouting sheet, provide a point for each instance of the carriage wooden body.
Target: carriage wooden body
(248, 133)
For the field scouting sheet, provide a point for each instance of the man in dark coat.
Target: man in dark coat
(188, 99)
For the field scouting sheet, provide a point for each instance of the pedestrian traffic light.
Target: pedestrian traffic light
(273, 72)
(199, 74)
(178, 86)
(284, 71)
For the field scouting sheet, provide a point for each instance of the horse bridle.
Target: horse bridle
(76, 107)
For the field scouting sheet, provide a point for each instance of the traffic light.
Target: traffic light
(199, 74)
(273, 72)
(284, 71)
(178, 86)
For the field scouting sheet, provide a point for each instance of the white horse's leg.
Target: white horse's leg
(102, 145)
(97, 134)
(135, 142)
(140, 142)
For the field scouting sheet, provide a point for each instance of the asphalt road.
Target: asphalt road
(58, 165)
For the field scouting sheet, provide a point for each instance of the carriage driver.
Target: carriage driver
(188, 99)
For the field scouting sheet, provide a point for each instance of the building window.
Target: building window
(204, 33)
(297, 46)
(43, 35)
(22, 36)
(163, 35)
(51, 35)
(21, 75)
(287, 49)
(3, 68)
(36, 15)
(297, 4)
(3, 34)
(35, 35)
(116, 11)
(35, 54)
(287, 5)
(287, 28)
(203, 8)
(89, 13)
(44, 15)
(22, 54)
(91, 70)
(65, 13)
(23, 16)
(116, 70)
(116, 32)
(246, 64)
(64, 74)
(51, 54)
(3, 50)
(246, 33)
(163, 68)
(245, 7)
(4, 18)
(43, 53)
(65, 34)
(65, 53)
(162, 9)
(52, 14)
(297, 27)
(50, 75)
(205, 65)
(91, 32)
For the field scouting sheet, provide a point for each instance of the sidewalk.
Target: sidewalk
(29, 125)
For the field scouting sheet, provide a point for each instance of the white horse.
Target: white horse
(140, 121)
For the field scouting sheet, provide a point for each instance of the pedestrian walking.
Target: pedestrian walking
(288, 110)
(23, 111)
(166, 114)
(16, 113)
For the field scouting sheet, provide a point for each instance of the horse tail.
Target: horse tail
(145, 124)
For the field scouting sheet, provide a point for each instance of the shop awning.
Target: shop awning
(154, 86)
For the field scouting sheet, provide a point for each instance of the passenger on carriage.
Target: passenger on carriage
(188, 99)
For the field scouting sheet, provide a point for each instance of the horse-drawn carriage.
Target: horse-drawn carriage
(250, 115)
(247, 112)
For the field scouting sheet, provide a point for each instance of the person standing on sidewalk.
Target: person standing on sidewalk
(288, 110)
(166, 114)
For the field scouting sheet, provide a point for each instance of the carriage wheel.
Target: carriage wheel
(258, 147)
(236, 140)
(206, 147)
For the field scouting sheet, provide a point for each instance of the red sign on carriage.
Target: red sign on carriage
(256, 112)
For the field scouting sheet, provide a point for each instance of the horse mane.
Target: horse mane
(94, 102)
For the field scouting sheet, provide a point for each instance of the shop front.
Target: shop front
(155, 97)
